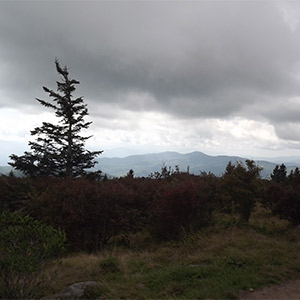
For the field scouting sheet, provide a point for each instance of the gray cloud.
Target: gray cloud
(288, 131)
(193, 59)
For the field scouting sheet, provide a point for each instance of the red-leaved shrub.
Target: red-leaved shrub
(182, 206)
(89, 212)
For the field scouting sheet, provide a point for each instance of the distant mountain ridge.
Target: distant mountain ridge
(5, 170)
(197, 161)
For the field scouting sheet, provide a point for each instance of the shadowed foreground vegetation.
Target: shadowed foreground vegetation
(171, 235)
(216, 262)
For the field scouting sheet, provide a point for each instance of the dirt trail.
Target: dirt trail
(285, 291)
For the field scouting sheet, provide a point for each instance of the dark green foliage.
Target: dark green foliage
(165, 172)
(110, 265)
(284, 200)
(294, 177)
(59, 148)
(240, 188)
(26, 246)
(279, 173)
(13, 192)
(283, 194)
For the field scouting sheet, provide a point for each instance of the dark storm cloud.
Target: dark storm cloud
(189, 59)
(288, 131)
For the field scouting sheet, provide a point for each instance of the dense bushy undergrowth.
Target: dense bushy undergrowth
(284, 200)
(13, 192)
(241, 188)
(26, 246)
(89, 212)
(167, 206)
(183, 205)
(283, 194)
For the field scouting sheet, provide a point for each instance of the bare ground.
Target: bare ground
(288, 290)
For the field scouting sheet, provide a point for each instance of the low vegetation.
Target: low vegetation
(172, 235)
(215, 262)
(26, 246)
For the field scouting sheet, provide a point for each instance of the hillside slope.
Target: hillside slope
(143, 165)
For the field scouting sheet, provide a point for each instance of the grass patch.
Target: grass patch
(110, 265)
(216, 262)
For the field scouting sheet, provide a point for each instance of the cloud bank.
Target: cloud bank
(210, 75)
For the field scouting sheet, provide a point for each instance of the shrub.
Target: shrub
(279, 173)
(26, 245)
(240, 187)
(13, 191)
(110, 265)
(182, 207)
(284, 201)
(89, 212)
(145, 190)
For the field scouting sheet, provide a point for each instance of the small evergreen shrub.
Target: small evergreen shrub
(26, 245)
(14, 191)
(240, 188)
(284, 201)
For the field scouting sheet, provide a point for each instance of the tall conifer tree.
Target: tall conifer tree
(59, 148)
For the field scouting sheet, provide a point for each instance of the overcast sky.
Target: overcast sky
(222, 77)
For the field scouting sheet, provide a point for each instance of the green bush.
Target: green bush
(110, 265)
(26, 246)
(284, 201)
(14, 192)
(240, 188)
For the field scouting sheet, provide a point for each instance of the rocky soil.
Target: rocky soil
(289, 290)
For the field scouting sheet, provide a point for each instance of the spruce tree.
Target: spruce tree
(59, 149)
(279, 173)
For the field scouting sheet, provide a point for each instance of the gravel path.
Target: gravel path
(289, 290)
